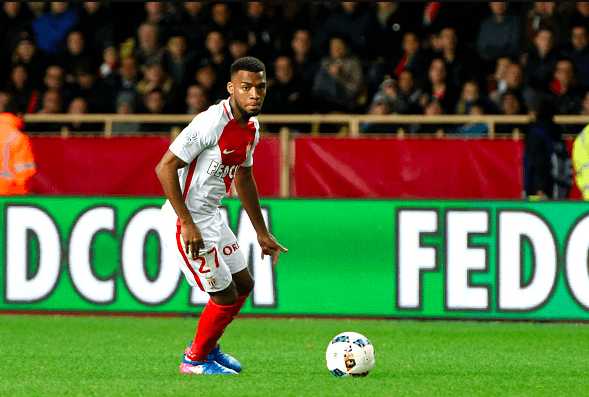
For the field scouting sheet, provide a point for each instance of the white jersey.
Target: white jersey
(214, 146)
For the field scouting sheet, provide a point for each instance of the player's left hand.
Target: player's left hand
(270, 247)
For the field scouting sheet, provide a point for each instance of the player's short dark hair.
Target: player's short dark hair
(249, 64)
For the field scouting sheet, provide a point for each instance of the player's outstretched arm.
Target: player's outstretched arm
(167, 173)
(248, 194)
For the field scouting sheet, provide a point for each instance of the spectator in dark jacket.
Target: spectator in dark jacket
(547, 163)
(27, 53)
(179, 61)
(75, 51)
(355, 20)
(21, 89)
(578, 51)
(339, 84)
(439, 86)
(566, 92)
(208, 78)
(286, 94)
(149, 47)
(15, 18)
(92, 88)
(461, 61)
(125, 78)
(500, 35)
(217, 54)
(221, 18)
(55, 78)
(540, 63)
(306, 59)
(193, 21)
(97, 26)
(264, 34)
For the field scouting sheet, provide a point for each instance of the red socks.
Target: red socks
(211, 325)
(238, 305)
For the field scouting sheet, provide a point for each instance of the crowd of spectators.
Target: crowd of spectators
(352, 57)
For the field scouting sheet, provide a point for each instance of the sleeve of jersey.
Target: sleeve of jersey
(193, 139)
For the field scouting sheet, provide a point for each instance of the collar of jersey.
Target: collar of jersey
(227, 108)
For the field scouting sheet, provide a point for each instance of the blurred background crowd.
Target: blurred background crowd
(322, 57)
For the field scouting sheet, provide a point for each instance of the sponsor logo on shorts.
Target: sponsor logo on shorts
(231, 248)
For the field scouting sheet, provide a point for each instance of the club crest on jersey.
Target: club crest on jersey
(221, 171)
(211, 281)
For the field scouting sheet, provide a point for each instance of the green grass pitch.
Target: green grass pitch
(53, 355)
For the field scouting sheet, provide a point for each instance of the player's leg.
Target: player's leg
(173, 248)
(204, 350)
(244, 285)
(222, 303)
(244, 282)
(231, 300)
(209, 273)
(214, 276)
(212, 324)
(234, 258)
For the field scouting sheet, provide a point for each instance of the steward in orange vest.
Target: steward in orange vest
(17, 163)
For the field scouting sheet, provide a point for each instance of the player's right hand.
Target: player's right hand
(193, 242)
(270, 247)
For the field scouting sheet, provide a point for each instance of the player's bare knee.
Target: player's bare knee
(246, 287)
(244, 282)
(226, 297)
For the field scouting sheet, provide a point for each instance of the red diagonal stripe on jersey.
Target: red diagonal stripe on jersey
(189, 178)
(226, 111)
(186, 187)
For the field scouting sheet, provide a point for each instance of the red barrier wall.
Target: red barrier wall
(411, 167)
(325, 167)
(98, 166)
(124, 166)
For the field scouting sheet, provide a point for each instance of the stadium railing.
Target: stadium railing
(350, 126)
(351, 122)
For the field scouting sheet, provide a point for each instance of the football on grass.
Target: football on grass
(350, 354)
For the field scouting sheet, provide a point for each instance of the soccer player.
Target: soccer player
(214, 150)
